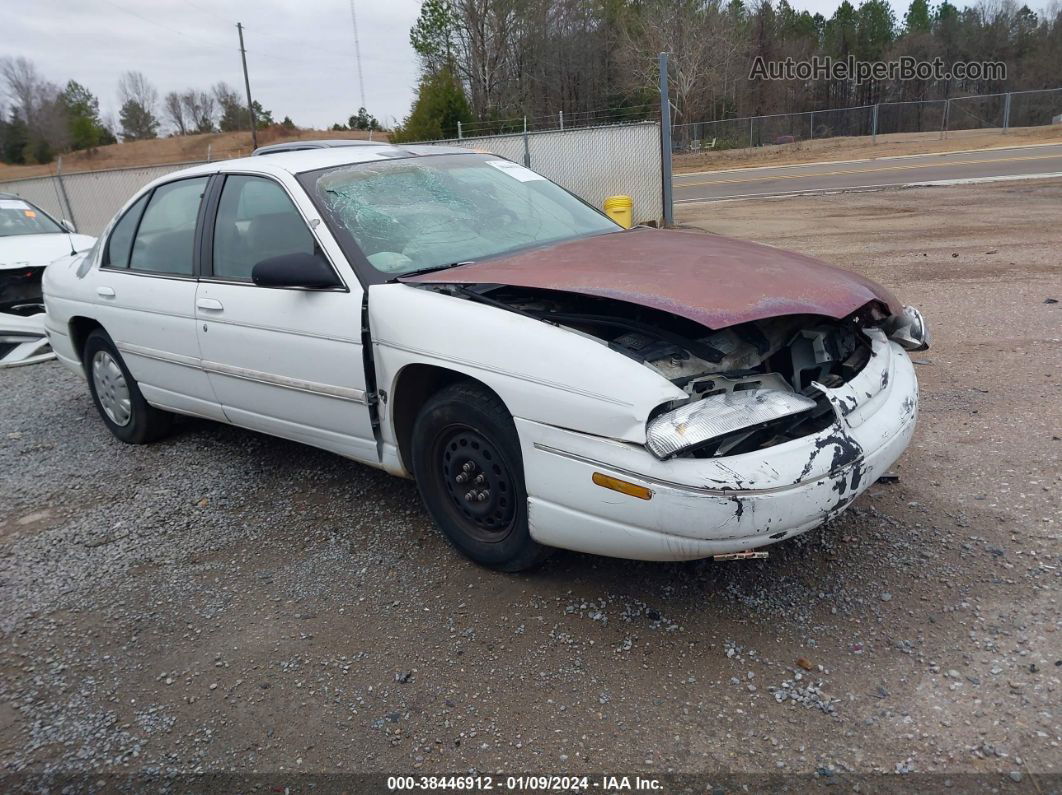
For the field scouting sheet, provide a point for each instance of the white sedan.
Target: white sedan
(548, 378)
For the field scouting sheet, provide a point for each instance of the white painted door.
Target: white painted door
(281, 360)
(146, 294)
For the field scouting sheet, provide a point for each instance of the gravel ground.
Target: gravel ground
(222, 601)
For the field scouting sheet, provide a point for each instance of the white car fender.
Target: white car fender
(542, 372)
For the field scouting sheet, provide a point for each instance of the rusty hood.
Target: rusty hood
(715, 281)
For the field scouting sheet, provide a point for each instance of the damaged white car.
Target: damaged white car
(548, 378)
(29, 240)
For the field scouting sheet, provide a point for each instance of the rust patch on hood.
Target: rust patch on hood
(715, 281)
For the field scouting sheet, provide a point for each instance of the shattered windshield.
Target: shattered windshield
(419, 213)
(18, 217)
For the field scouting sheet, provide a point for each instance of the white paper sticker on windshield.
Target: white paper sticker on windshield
(14, 204)
(515, 170)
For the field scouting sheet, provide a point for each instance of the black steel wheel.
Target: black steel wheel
(478, 481)
(466, 459)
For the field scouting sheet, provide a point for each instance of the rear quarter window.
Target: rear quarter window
(120, 243)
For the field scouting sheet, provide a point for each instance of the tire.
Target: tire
(117, 397)
(469, 471)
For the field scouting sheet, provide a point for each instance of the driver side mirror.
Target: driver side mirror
(304, 270)
(68, 226)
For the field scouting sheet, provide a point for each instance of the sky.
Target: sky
(300, 53)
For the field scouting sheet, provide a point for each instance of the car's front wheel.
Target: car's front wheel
(467, 463)
(117, 396)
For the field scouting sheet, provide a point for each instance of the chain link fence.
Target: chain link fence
(591, 162)
(933, 117)
(88, 199)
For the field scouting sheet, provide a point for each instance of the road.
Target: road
(747, 183)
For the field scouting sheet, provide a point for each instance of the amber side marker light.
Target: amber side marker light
(622, 486)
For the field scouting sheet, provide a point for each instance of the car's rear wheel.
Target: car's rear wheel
(466, 459)
(117, 397)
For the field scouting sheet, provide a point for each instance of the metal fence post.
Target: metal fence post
(874, 127)
(944, 121)
(69, 211)
(459, 136)
(560, 117)
(1006, 113)
(751, 120)
(665, 143)
(527, 148)
(811, 127)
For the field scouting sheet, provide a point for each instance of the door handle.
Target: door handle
(209, 303)
(105, 292)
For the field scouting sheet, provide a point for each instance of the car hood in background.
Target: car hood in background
(21, 251)
(715, 281)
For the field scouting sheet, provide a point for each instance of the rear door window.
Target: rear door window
(165, 240)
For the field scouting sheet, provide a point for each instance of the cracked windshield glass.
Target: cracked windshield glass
(430, 212)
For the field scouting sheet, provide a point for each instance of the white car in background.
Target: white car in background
(548, 378)
(29, 240)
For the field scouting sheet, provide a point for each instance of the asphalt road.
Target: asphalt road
(746, 183)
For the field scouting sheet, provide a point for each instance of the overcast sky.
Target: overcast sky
(300, 53)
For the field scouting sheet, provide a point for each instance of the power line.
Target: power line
(166, 27)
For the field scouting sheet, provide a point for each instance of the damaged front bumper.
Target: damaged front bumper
(23, 340)
(697, 508)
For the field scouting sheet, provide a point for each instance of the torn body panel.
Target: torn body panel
(715, 281)
(23, 340)
(702, 507)
(541, 372)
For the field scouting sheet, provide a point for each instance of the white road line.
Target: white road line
(864, 160)
(864, 188)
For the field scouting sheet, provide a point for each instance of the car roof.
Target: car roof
(302, 160)
(326, 143)
(21, 199)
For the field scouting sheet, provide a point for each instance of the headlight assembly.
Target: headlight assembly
(908, 329)
(718, 415)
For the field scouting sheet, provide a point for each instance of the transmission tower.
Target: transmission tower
(357, 52)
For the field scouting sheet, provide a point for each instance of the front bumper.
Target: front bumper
(705, 507)
(20, 289)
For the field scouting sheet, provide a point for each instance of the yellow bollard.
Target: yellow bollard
(618, 208)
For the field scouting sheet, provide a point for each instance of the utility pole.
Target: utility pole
(247, 85)
(665, 143)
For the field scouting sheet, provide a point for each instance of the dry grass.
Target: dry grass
(178, 149)
(893, 145)
(221, 146)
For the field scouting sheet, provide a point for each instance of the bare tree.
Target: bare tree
(28, 90)
(39, 105)
(135, 87)
(174, 109)
(199, 108)
(139, 100)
